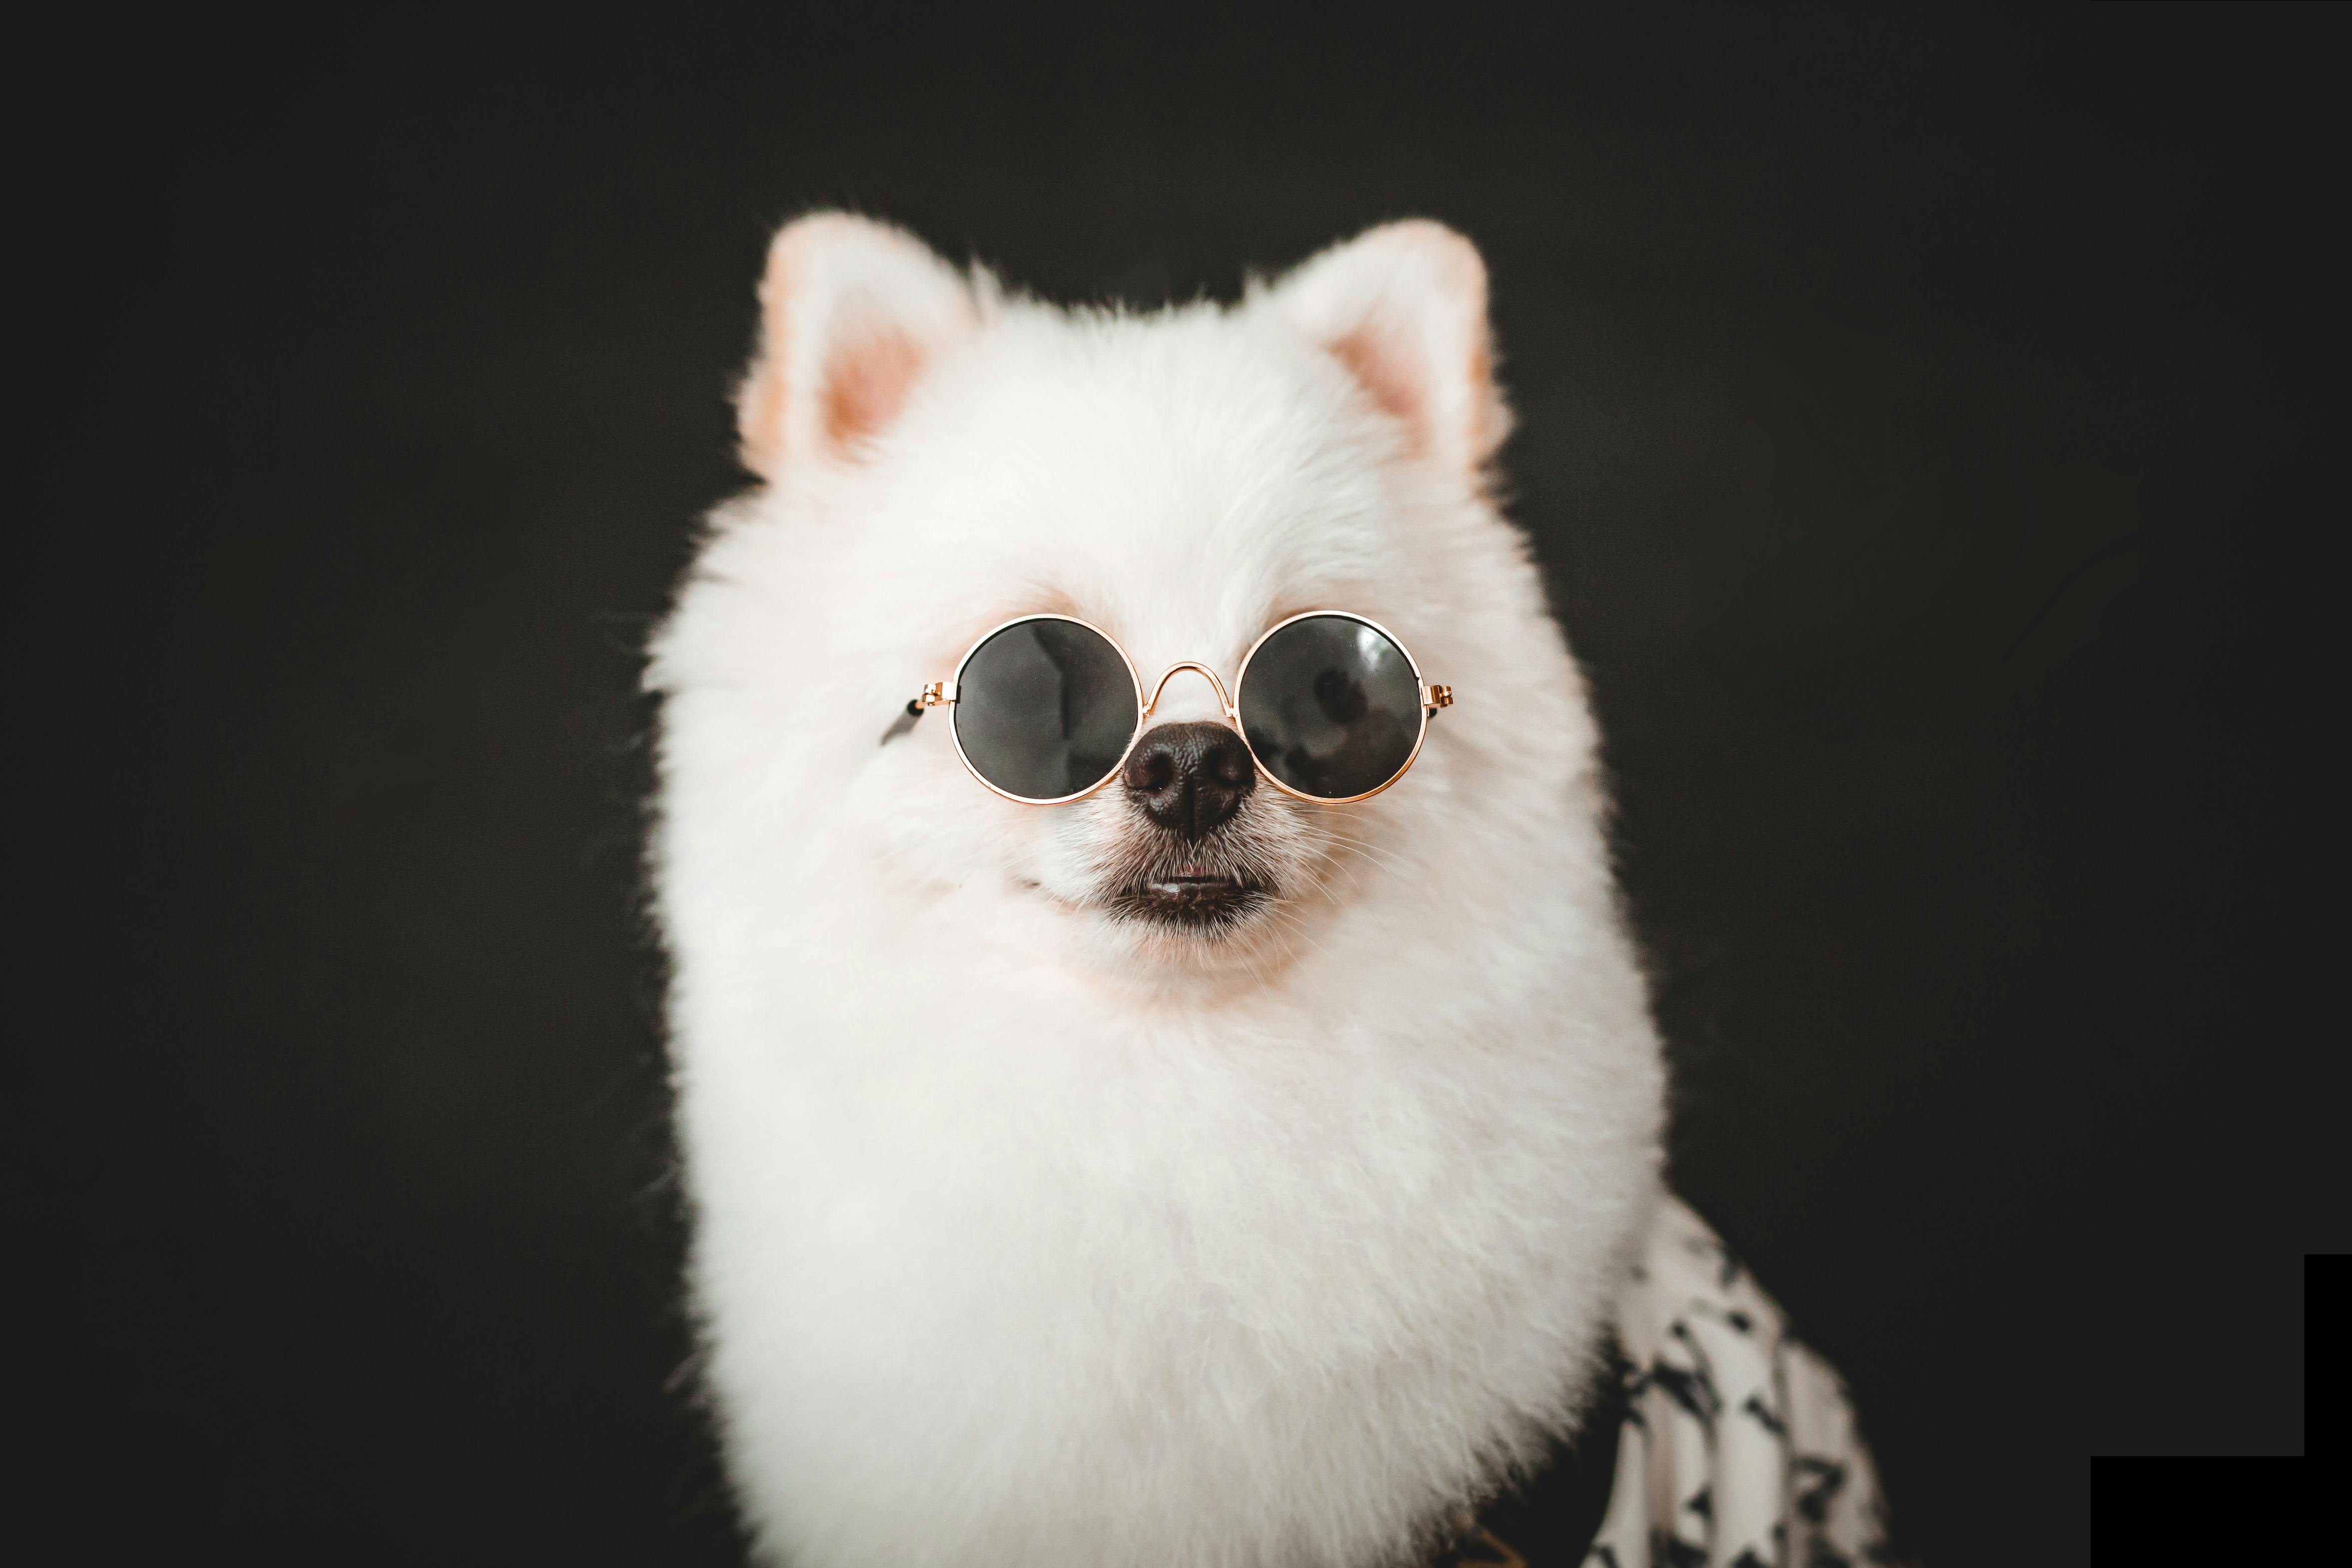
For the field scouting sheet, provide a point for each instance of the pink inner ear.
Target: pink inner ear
(1370, 353)
(867, 382)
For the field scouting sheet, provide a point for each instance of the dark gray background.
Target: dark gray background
(1928, 428)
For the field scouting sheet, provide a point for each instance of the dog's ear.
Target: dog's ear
(1403, 307)
(851, 312)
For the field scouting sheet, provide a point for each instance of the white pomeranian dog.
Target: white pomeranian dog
(1161, 1111)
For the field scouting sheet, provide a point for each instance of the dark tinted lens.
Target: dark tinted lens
(1331, 707)
(1044, 708)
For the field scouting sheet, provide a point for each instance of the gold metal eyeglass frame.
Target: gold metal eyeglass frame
(942, 694)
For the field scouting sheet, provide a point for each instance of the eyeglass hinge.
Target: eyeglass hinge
(1435, 697)
(936, 694)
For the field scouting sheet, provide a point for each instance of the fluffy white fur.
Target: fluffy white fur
(1029, 1235)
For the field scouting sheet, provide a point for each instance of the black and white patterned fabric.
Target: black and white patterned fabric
(1733, 1447)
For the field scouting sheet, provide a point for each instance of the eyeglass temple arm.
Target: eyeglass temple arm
(936, 694)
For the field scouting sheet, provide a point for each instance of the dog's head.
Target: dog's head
(942, 458)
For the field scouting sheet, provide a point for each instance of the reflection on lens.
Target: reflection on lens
(1331, 707)
(1044, 708)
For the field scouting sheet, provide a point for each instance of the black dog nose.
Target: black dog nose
(1189, 778)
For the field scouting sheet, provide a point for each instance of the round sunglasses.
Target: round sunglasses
(1046, 708)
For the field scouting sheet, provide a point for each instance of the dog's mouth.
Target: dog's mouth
(1193, 896)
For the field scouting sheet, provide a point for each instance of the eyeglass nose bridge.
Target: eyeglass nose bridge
(1225, 702)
